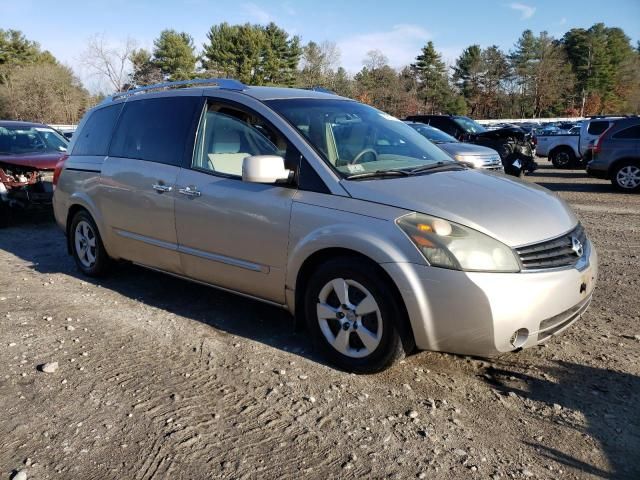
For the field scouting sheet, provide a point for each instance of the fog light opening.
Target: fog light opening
(519, 338)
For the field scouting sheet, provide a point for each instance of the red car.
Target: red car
(29, 153)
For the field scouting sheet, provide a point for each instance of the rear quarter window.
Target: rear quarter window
(95, 135)
(155, 130)
(596, 128)
(631, 133)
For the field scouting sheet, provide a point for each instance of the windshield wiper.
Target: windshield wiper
(437, 166)
(378, 174)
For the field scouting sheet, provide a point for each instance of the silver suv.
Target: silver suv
(339, 213)
(616, 155)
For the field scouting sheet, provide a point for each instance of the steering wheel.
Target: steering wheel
(359, 156)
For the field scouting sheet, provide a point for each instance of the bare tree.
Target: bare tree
(375, 60)
(109, 62)
(43, 92)
(318, 64)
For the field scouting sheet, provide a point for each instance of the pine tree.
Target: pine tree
(280, 57)
(467, 76)
(144, 70)
(523, 60)
(253, 54)
(174, 54)
(433, 84)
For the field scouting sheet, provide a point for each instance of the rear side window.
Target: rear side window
(596, 128)
(155, 130)
(632, 133)
(94, 137)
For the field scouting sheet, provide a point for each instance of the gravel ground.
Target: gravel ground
(154, 377)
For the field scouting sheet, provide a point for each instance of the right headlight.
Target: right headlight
(450, 245)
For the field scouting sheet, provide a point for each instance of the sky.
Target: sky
(398, 28)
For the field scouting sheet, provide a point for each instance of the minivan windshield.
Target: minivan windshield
(357, 139)
(469, 126)
(24, 139)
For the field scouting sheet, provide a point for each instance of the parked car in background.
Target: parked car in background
(569, 150)
(616, 155)
(336, 211)
(66, 133)
(474, 156)
(512, 144)
(29, 153)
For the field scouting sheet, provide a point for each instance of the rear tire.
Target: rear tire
(86, 246)
(626, 176)
(353, 317)
(563, 158)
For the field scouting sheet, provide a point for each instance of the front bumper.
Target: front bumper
(475, 313)
(28, 196)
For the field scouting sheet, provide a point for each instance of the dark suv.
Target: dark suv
(512, 143)
(616, 155)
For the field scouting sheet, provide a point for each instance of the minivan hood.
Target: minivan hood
(514, 212)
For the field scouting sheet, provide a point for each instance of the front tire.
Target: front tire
(626, 177)
(353, 317)
(86, 246)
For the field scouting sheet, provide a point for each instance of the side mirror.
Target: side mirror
(264, 169)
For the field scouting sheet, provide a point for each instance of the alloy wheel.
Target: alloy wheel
(628, 177)
(85, 244)
(349, 318)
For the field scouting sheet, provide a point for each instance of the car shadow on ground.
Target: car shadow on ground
(555, 173)
(38, 240)
(580, 187)
(605, 398)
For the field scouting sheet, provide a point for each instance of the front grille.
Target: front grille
(489, 160)
(555, 253)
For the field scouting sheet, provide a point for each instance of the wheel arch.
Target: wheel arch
(317, 258)
(79, 203)
(616, 163)
(560, 148)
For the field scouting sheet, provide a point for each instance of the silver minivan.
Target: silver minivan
(338, 212)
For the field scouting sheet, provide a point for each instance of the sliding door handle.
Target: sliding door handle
(162, 188)
(190, 191)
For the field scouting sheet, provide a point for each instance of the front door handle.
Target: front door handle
(190, 191)
(160, 188)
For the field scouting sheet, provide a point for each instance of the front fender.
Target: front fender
(315, 228)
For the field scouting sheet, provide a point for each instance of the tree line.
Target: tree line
(586, 72)
(35, 86)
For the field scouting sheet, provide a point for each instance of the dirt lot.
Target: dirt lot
(161, 378)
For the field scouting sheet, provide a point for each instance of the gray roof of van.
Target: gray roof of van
(216, 84)
(273, 93)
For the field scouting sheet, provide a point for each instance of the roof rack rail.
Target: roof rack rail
(224, 83)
